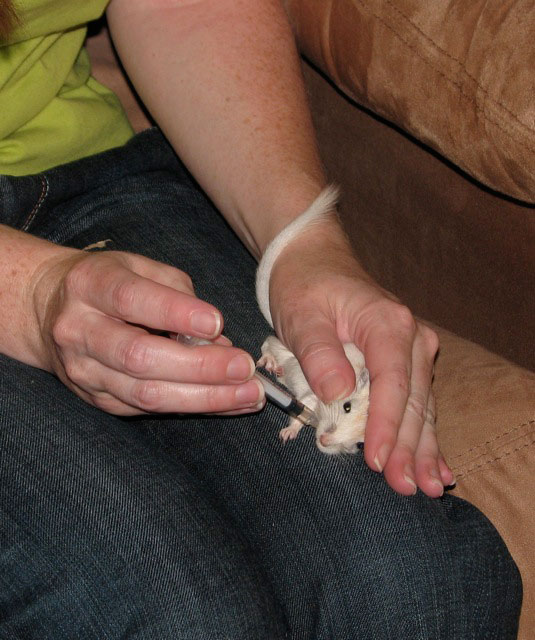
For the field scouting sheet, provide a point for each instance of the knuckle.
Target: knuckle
(75, 372)
(313, 350)
(185, 281)
(135, 356)
(205, 368)
(417, 404)
(430, 418)
(403, 450)
(62, 331)
(213, 400)
(104, 402)
(148, 395)
(122, 297)
(430, 339)
(404, 318)
(166, 311)
(108, 403)
(400, 379)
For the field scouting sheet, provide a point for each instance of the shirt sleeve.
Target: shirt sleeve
(43, 17)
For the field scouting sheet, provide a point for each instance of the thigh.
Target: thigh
(101, 536)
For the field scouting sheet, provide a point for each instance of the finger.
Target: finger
(160, 396)
(388, 352)
(100, 399)
(427, 455)
(109, 404)
(159, 272)
(221, 339)
(91, 392)
(240, 412)
(322, 358)
(447, 475)
(119, 292)
(400, 470)
(139, 354)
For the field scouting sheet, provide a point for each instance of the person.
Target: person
(144, 492)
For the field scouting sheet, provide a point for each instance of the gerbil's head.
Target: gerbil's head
(341, 424)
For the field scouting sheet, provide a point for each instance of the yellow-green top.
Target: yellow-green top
(51, 110)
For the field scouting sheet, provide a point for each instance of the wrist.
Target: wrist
(23, 261)
(44, 299)
(314, 239)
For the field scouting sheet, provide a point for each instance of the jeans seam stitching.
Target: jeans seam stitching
(45, 186)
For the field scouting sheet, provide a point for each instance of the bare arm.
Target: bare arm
(223, 81)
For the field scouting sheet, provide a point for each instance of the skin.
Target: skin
(231, 70)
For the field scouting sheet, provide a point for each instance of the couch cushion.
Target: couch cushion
(457, 75)
(486, 422)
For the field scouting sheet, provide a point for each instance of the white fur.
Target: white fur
(319, 209)
(338, 431)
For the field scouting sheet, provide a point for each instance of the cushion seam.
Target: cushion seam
(470, 470)
(462, 93)
(493, 440)
(462, 66)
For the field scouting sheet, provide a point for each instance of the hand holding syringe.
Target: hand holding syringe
(275, 394)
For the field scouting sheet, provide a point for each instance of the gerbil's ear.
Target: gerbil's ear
(364, 378)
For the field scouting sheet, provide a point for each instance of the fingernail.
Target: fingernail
(381, 457)
(408, 477)
(378, 464)
(333, 387)
(207, 323)
(438, 484)
(250, 394)
(453, 481)
(240, 368)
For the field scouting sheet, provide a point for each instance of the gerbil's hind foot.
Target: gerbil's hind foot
(291, 431)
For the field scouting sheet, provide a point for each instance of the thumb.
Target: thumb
(323, 360)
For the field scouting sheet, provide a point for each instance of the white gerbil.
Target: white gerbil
(341, 424)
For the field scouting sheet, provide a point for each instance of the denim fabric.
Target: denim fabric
(199, 527)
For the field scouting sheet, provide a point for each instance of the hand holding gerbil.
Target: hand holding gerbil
(98, 315)
(320, 298)
(341, 425)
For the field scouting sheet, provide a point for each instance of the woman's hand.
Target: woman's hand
(320, 297)
(97, 315)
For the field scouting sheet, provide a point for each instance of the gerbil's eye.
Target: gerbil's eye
(347, 407)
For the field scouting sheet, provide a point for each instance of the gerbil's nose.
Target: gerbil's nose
(324, 440)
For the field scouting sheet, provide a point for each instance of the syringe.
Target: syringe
(275, 394)
(286, 401)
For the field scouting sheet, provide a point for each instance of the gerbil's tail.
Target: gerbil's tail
(322, 207)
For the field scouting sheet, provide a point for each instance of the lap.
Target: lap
(166, 525)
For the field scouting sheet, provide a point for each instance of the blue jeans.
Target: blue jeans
(201, 527)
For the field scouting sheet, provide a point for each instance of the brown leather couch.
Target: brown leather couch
(460, 254)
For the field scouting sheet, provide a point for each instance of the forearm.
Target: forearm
(22, 259)
(223, 81)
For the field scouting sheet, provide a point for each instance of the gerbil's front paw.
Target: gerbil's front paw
(267, 360)
(291, 431)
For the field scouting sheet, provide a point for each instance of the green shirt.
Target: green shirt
(51, 110)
